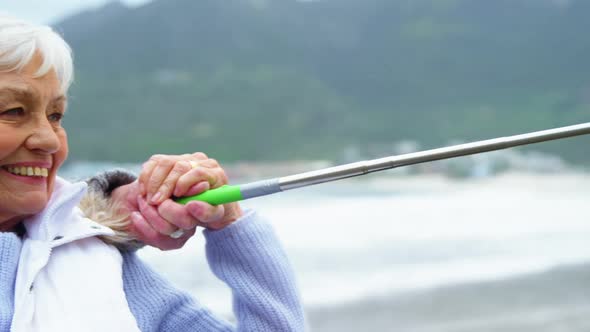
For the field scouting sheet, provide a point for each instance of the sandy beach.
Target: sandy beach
(552, 301)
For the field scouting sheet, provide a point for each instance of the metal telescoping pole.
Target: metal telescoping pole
(370, 166)
(228, 194)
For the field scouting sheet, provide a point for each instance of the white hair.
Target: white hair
(20, 41)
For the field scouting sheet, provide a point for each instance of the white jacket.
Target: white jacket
(68, 279)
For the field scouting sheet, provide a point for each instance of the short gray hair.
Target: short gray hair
(20, 41)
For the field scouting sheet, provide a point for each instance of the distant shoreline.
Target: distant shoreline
(246, 171)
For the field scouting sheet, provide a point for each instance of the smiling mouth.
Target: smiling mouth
(28, 171)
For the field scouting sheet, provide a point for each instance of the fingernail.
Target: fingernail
(176, 192)
(156, 198)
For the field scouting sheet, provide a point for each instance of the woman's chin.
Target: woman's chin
(19, 199)
(37, 203)
(22, 208)
(33, 203)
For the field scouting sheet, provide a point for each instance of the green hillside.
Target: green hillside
(282, 79)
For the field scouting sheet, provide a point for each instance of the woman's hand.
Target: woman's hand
(158, 216)
(127, 197)
(164, 176)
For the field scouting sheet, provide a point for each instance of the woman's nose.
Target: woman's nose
(43, 138)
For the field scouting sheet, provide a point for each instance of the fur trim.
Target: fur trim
(104, 211)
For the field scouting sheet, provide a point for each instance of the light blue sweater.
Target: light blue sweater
(245, 255)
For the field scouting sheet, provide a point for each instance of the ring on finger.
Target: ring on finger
(179, 233)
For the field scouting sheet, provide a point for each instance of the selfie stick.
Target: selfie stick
(234, 193)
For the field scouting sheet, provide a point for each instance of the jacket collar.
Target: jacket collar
(61, 220)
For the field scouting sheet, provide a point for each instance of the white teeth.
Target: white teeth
(28, 171)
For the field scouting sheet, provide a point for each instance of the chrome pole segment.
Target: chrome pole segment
(369, 166)
(260, 188)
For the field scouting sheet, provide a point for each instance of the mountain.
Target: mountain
(284, 79)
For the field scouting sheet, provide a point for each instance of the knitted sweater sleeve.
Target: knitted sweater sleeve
(249, 259)
(10, 246)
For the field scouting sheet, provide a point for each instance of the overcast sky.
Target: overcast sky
(48, 11)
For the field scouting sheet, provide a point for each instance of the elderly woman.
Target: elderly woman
(67, 250)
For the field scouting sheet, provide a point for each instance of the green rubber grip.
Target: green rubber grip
(222, 195)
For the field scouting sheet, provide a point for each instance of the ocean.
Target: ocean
(388, 252)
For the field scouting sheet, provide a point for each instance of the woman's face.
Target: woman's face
(33, 144)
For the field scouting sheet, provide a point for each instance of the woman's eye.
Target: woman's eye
(56, 117)
(13, 112)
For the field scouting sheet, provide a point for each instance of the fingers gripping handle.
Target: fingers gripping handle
(221, 195)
